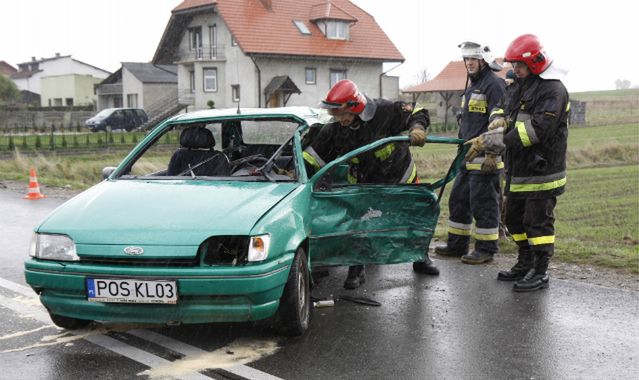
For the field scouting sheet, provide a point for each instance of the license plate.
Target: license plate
(131, 291)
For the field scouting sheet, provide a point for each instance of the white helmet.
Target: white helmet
(475, 50)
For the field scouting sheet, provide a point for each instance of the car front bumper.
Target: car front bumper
(205, 294)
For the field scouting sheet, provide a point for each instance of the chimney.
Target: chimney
(57, 55)
(33, 58)
(268, 4)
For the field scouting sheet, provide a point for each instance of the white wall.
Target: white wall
(56, 67)
(131, 85)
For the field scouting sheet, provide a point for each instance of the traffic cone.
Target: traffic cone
(34, 189)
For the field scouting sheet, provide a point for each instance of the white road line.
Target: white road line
(159, 339)
(187, 349)
(109, 343)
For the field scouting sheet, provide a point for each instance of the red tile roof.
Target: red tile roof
(451, 78)
(261, 31)
(6, 69)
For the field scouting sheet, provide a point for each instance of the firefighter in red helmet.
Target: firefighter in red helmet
(532, 124)
(358, 121)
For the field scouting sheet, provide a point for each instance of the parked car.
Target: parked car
(117, 118)
(200, 234)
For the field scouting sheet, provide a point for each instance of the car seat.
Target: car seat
(197, 151)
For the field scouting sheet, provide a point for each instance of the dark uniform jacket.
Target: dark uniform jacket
(536, 138)
(483, 94)
(391, 163)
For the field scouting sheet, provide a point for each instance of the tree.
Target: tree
(622, 84)
(9, 93)
(422, 76)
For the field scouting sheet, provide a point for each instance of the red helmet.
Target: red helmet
(528, 49)
(344, 95)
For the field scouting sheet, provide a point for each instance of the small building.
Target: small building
(6, 69)
(68, 90)
(30, 74)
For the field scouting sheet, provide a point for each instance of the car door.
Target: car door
(373, 223)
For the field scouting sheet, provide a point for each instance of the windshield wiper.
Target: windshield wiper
(268, 165)
(192, 173)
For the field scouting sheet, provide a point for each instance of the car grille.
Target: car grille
(191, 262)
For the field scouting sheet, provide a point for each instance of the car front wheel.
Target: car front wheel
(68, 322)
(294, 313)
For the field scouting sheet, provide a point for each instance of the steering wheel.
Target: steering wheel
(253, 161)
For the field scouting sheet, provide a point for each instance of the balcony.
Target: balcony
(204, 53)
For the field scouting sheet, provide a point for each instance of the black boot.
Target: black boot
(536, 278)
(356, 277)
(476, 257)
(524, 263)
(426, 266)
(445, 250)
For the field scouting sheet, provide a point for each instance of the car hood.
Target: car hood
(135, 212)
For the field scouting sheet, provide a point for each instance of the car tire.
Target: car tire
(294, 314)
(68, 322)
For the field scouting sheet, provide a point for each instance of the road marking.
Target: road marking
(188, 350)
(122, 348)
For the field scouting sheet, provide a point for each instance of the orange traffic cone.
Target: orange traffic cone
(34, 188)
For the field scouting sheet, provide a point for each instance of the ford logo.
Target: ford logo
(134, 251)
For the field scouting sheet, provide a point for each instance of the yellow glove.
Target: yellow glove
(498, 122)
(476, 147)
(417, 135)
(490, 164)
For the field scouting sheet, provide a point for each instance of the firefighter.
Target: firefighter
(534, 118)
(476, 190)
(358, 121)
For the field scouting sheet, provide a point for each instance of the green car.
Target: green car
(212, 218)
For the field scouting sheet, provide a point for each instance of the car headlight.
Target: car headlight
(258, 247)
(53, 247)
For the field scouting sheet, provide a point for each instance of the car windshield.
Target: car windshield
(104, 113)
(255, 149)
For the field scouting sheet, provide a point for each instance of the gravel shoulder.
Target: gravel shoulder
(612, 278)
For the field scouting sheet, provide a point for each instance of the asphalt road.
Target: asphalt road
(461, 324)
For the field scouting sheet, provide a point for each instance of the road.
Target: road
(461, 324)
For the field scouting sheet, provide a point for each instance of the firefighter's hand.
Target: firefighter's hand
(489, 166)
(476, 147)
(417, 135)
(499, 122)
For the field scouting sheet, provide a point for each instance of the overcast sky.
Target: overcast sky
(596, 40)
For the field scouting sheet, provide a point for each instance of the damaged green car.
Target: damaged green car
(212, 218)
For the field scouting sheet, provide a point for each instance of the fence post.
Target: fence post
(52, 137)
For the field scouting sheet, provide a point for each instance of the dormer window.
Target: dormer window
(337, 30)
(334, 22)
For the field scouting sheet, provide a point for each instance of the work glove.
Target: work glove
(417, 135)
(489, 166)
(499, 122)
(491, 141)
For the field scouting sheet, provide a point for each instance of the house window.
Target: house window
(132, 100)
(57, 102)
(117, 101)
(69, 102)
(210, 79)
(235, 92)
(301, 27)
(311, 75)
(336, 75)
(195, 41)
(337, 30)
(213, 39)
(192, 81)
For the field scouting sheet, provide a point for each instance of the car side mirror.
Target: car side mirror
(107, 171)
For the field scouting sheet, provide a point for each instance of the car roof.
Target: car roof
(309, 114)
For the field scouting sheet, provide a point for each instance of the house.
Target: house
(449, 84)
(270, 53)
(140, 85)
(70, 81)
(6, 69)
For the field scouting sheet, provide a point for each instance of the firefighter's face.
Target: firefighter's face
(343, 117)
(521, 70)
(473, 65)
